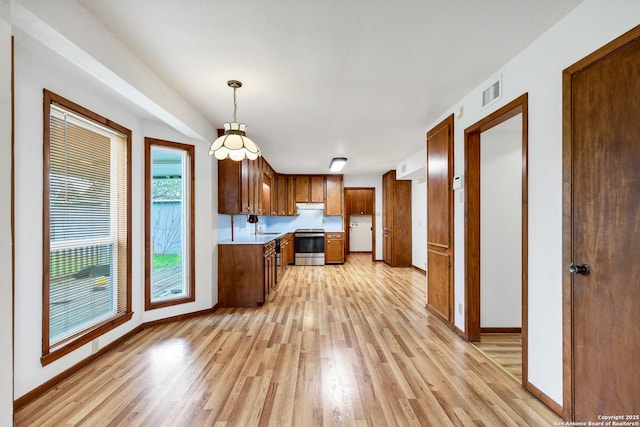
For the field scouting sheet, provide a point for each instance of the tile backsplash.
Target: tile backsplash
(304, 219)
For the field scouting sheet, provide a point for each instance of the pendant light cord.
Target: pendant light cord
(235, 105)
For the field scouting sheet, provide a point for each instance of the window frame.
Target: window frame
(190, 286)
(50, 352)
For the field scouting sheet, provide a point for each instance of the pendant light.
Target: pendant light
(234, 144)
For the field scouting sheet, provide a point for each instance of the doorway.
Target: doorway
(473, 225)
(500, 245)
(360, 220)
(600, 232)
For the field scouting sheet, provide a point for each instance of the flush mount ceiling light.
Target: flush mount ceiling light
(234, 144)
(337, 163)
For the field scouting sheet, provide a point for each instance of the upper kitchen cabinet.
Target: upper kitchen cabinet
(396, 220)
(240, 186)
(285, 203)
(309, 188)
(334, 195)
(269, 190)
(361, 201)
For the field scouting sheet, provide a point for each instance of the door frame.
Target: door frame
(472, 220)
(568, 379)
(347, 228)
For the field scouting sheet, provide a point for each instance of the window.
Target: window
(87, 232)
(169, 219)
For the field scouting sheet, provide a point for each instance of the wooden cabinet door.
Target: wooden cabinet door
(229, 187)
(302, 188)
(257, 186)
(357, 201)
(281, 195)
(291, 201)
(246, 186)
(316, 191)
(267, 191)
(334, 248)
(368, 201)
(334, 195)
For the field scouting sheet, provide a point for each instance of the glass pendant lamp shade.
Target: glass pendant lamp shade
(234, 144)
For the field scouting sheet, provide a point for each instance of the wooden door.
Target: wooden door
(602, 229)
(387, 215)
(440, 220)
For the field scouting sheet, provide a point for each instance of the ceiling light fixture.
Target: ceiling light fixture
(337, 163)
(234, 144)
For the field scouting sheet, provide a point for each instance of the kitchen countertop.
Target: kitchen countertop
(254, 239)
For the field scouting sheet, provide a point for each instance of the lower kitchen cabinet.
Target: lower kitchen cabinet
(334, 248)
(287, 252)
(246, 273)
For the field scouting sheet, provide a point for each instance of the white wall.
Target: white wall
(538, 71)
(370, 181)
(6, 293)
(419, 222)
(33, 73)
(501, 225)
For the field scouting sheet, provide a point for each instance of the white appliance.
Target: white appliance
(360, 233)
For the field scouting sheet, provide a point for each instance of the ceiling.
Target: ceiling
(353, 78)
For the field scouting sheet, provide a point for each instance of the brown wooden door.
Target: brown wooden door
(440, 220)
(387, 215)
(604, 109)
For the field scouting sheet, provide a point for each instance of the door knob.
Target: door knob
(579, 269)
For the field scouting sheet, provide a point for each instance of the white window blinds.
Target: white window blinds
(87, 225)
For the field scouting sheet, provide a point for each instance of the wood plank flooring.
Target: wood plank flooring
(505, 350)
(346, 345)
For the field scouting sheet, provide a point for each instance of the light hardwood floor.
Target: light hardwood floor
(505, 350)
(338, 345)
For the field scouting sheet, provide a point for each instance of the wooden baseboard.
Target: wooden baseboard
(542, 397)
(181, 317)
(46, 386)
(501, 330)
(458, 331)
(419, 269)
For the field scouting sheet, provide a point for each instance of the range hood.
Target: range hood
(310, 206)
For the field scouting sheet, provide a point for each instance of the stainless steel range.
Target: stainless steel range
(309, 246)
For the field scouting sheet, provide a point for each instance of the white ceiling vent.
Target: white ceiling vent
(492, 93)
